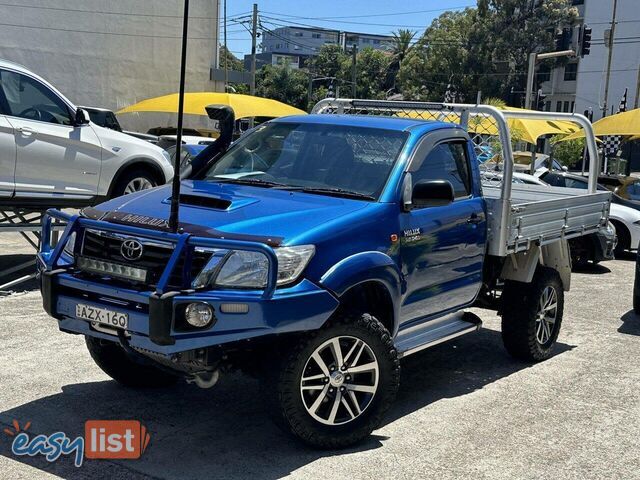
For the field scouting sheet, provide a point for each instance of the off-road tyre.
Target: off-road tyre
(283, 380)
(115, 362)
(521, 308)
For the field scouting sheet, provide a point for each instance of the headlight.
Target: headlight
(243, 269)
(68, 247)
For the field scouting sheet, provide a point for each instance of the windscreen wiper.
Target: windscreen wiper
(340, 192)
(250, 181)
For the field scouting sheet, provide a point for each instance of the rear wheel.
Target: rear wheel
(532, 315)
(115, 362)
(333, 390)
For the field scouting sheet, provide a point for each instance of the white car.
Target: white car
(624, 215)
(51, 154)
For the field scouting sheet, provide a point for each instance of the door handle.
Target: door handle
(474, 219)
(26, 131)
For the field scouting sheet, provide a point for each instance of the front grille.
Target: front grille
(155, 256)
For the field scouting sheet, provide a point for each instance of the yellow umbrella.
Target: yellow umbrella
(195, 103)
(526, 130)
(623, 124)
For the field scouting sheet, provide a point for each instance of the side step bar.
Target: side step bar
(436, 331)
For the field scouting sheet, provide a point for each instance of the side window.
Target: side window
(573, 183)
(447, 161)
(29, 99)
(554, 180)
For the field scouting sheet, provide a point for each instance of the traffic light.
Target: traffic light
(585, 41)
(563, 39)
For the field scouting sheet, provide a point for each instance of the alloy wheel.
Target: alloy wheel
(138, 184)
(339, 380)
(546, 315)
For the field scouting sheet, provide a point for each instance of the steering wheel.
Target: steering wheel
(31, 113)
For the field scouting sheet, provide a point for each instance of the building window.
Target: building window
(570, 72)
(298, 34)
(547, 106)
(376, 41)
(544, 73)
(366, 40)
(566, 106)
(577, 2)
(573, 107)
(558, 106)
(316, 35)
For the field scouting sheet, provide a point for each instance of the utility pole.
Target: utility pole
(611, 42)
(226, 52)
(254, 36)
(354, 57)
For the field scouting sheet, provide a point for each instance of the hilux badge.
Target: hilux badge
(131, 249)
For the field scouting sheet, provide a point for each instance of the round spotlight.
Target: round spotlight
(198, 314)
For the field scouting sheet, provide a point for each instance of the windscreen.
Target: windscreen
(313, 158)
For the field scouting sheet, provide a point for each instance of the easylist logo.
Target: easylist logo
(115, 439)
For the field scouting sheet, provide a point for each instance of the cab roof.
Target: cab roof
(367, 121)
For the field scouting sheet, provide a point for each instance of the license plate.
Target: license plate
(102, 316)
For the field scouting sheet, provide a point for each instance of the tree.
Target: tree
(233, 62)
(568, 153)
(371, 70)
(484, 48)
(400, 48)
(282, 83)
(329, 61)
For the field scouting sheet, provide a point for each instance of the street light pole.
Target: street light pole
(530, 77)
(533, 58)
(226, 51)
(609, 58)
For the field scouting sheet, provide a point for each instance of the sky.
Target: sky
(367, 16)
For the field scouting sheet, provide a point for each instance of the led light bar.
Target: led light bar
(118, 270)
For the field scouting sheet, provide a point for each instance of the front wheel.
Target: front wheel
(335, 387)
(532, 315)
(133, 181)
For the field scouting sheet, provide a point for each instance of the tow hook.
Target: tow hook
(204, 379)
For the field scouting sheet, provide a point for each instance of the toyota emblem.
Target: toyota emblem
(131, 249)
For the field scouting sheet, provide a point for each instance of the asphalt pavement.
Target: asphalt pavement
(465, 408)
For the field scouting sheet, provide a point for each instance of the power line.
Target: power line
(336, 19)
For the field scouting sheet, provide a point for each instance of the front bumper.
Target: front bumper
(155, 322)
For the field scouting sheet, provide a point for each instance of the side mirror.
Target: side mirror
(82, 117)
(432, 193)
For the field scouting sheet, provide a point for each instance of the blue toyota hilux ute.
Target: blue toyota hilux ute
(315, 252)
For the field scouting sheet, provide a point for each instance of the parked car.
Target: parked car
(624, 215)
(314, 258)
(187, 153)
(107, 119)
(636, 285)
(595, 247)
(51, 154)
(627, 187)
(166, 141)
(522, 160)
